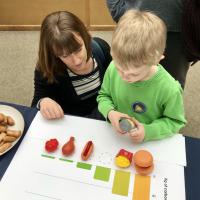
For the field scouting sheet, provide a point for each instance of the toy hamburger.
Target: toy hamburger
(143, 162)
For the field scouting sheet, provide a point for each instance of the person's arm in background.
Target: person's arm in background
(117, 8)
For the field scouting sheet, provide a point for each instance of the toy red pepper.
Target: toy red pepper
(51, 145)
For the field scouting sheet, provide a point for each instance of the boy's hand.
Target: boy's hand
(137, 136)
(114, 117)
(50, 109)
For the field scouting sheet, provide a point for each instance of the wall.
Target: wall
(28, 15)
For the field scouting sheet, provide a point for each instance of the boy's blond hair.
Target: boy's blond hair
(139, 39)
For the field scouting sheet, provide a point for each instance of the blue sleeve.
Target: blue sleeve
(117, 8)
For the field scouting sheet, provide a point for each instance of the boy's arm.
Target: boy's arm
(172, 121)
(104, 99)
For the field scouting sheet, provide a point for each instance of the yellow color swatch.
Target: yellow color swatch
(121, 183)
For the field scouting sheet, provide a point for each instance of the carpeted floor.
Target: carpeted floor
(18, 55)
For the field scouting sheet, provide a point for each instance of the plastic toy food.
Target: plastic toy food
(127, 125)
(7, 136)
(87, 150)
(143, 162)
(68, 148)
(51, 145)
(123, 158)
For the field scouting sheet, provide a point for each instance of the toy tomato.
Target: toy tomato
(51, 145)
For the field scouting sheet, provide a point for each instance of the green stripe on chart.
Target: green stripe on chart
(121, 183)
(84, 165)
(47, 156)
(66, 160)
(102, 173)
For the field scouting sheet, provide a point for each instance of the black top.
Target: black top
(63, 91)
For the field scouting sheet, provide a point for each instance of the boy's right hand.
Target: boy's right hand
(114, 117)
(50, 109)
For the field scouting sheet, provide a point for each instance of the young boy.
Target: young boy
(136, 85)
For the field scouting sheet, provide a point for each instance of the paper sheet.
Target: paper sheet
(37, 175)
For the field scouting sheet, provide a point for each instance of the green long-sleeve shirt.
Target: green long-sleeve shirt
(157, 102)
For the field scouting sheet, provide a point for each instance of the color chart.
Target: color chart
(121, 180)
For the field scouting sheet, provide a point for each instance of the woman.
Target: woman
(70, 68)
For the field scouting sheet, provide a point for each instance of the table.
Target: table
(192, 171)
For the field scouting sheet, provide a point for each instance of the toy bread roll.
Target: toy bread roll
(5, 121)
(12, 133)
(3, 128)
(2, 116)
(10, 121)
(1, 143)
(9, 139)
(5, 146)
(2, 135)
(143, 162)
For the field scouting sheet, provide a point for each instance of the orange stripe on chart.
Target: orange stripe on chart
(141, 189)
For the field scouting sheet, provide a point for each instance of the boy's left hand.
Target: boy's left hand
(137, 136)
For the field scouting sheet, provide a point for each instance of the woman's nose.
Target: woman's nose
(75, 59)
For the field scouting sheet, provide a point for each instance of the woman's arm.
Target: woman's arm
(42, 88)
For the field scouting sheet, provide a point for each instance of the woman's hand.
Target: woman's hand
(50, 109)
(114, 117)
(137, 136)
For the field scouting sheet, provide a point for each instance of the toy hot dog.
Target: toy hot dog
(87, 150)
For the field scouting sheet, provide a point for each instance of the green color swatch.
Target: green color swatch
(66, 160)
(47, 156)
(102, 173)
(84, 165)
(121, 183)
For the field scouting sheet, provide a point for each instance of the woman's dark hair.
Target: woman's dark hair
(57, 37)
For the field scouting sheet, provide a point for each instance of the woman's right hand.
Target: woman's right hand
(50, 109)
(114, 117)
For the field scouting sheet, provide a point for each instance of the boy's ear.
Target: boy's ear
(162, 57)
